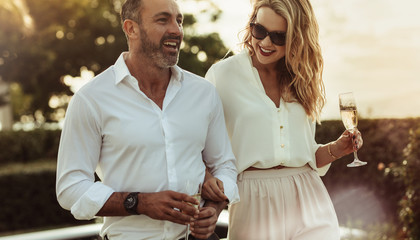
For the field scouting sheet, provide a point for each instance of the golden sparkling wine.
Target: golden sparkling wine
(349, 117)
(198, 197)
(348, 113)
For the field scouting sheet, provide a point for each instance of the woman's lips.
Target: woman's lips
(265, 52)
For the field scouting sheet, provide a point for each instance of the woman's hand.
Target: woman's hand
(213, 189)
(347, 143)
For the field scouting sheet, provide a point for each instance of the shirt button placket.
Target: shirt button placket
(282, 145)
(168, 149)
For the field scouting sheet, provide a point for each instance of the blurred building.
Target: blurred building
(6, 118)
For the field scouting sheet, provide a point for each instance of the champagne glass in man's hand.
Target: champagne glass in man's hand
(195, 191)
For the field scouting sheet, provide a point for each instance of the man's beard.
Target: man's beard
(156, 53)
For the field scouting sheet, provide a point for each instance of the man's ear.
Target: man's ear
(131, 29)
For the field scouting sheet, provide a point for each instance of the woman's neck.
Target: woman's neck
(266, 68)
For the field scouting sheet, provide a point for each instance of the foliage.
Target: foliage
(64, 38)
(22, 147)
(382, 231)
(69, 35)
(384, 141)
(213, 48)
(407, 172)
(31, 202)
(21, 102)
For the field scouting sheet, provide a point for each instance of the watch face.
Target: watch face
(130, 202)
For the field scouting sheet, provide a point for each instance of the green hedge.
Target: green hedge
(27, 146)
(27, 180)
(28, 201)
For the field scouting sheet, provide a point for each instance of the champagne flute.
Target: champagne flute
(348, 113)
(191, 189)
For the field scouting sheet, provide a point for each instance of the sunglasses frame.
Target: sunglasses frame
(280, 35)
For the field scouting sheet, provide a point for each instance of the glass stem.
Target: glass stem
(186, 234)
(355, 156)
(353, 130)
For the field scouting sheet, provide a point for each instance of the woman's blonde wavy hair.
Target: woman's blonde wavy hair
(303, 58)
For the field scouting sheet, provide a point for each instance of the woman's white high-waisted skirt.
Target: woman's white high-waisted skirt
(282, 204)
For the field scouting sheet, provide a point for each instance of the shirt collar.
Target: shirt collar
(177, 73)
(122, 71)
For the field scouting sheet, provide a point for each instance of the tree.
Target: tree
(407, 172)
(72, 34)
(67, 35)
(14, 25)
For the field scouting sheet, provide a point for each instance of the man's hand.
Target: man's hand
(205, 224)
(168, 205)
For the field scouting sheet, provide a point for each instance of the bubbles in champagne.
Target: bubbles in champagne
(349, 117)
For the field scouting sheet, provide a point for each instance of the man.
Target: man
(147, 127)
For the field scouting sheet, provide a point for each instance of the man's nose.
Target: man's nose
(175, 28)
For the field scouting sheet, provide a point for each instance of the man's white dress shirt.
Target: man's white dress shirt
(262, 134)
(113, 128)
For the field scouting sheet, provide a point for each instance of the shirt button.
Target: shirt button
(282, 146)
(281, 127)
(278, 110)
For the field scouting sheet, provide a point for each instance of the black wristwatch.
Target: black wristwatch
(131, 202)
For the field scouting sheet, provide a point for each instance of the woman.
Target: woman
(272, 94)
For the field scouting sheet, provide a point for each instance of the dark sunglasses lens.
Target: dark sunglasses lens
(258, 32)
(278, 38)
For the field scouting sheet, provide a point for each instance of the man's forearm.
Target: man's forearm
(114, 206)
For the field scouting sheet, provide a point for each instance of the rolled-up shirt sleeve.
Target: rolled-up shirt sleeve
(218, 153)
(322, 170)
(78, 156)
(88, 205)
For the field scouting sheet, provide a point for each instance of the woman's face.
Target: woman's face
(266, 52)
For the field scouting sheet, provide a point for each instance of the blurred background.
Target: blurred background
(50, 48)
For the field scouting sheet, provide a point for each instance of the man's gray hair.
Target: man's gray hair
(131, 10)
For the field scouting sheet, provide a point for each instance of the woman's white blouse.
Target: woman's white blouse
(261, 134)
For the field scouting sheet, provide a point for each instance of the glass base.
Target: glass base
(356, 163)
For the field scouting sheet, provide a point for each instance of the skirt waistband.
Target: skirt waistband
(257, 169)
(272, 172)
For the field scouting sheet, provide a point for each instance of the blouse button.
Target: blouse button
(281, 127)
(282, 146)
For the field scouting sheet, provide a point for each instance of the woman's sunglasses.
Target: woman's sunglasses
(259, 32)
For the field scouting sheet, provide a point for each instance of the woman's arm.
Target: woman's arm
(344, 145)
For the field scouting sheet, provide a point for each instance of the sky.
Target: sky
(371, 48)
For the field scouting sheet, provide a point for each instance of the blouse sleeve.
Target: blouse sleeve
(322, 170)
